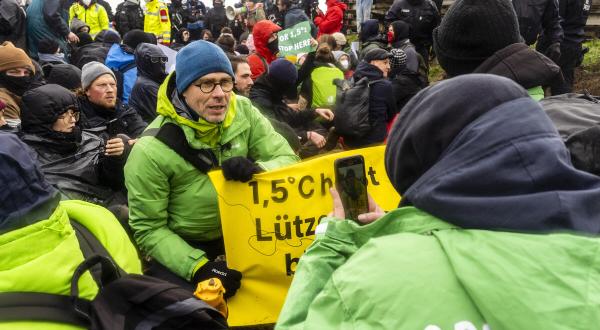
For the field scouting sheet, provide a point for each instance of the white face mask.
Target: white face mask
(86, 2)
(344, 64)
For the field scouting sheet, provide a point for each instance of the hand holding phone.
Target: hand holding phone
(351, 185)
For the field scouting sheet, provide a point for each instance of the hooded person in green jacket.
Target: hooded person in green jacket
(39, 250)
(485, 235)
(173, 205)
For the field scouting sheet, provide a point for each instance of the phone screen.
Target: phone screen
(351, 184)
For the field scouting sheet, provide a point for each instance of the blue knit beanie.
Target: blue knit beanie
(283, 71)
(198, 59)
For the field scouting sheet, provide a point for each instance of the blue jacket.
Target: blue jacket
(486, 156)
(117, 58)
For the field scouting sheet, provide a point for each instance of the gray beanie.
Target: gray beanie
(91, 71)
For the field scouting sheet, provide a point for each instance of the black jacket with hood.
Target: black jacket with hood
(150, 75)
(493, 162)
(370, 37)
(95, 119)
(382, 107)
(74, 163)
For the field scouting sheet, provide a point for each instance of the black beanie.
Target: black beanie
(135, 37)
(473, 30)
(47, 46)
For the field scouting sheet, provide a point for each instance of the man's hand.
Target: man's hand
(239, 168)
(316, 139)
(73, 38)
(325, 113)
(114, 147)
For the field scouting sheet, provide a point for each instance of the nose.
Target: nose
(218, 92)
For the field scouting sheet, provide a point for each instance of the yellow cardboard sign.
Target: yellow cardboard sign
(270, 221)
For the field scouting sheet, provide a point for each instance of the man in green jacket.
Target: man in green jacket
(173, 205)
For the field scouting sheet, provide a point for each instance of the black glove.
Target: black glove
(553, 52)
(239, 169)
(230, 278)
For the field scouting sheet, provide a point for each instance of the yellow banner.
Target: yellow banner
(270, 221)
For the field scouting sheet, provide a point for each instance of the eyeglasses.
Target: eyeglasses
(159, 59)
(69, 114)
(209, 86)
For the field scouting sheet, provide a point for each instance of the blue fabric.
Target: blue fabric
(24, 189)
(117, 59)
(505, 168)
(198, 59)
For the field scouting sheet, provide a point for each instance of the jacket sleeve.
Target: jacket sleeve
(135, 124)
(52, 15)
(148, 191)
(331, 21)
(268, 147)
(392, 14)
(551, 22)
(102, 17)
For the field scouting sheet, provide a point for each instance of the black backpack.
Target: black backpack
(124, 301)
(352, 108)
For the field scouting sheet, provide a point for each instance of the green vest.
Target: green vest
(323, 88)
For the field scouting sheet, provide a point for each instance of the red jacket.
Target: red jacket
(332, 21)
(260, 34)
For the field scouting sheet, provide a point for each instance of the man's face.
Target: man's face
(103, 91)
(213, 105)
(383, 65)
(18, 72)
(243, 82)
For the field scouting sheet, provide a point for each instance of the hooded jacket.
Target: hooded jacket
(382, 107)
(332, 21)
(45, 20)
(31, 216)
(260, 34)
(94, 51)
(171, 201)
(370, 37)
(118, 59)
(150, 75)
(493, 167)
(12, 23)
(94, 16)
(525, 66)
(73, 163)
(77, 24)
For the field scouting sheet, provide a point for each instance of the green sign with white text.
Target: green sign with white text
(295, 40)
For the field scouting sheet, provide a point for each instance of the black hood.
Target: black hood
(143, 60)
(523, 65)
(41, 108)
(25, 196)
(478, 152)
(401, 30)
(369, 30)
(368, 70)
(65, 75)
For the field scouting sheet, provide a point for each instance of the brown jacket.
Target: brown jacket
(13, 104)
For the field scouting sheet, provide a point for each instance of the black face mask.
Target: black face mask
(273, 46)
(17, 85)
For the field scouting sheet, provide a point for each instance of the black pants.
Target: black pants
(213, 249)
(570, 58)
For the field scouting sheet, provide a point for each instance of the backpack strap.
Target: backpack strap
(37, 306)
(172, 135)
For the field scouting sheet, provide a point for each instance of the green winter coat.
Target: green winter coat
(409, 270)
(170, 201)
(43, 256)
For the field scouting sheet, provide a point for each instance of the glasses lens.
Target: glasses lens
(207, 86)
(227, 85)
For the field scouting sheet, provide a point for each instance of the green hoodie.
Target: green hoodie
(170, 201)
(409, 270)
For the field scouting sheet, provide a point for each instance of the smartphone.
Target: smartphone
(114, 127)
(351, 184)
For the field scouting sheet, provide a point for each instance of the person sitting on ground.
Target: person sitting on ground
(415, 64)
(121, 58)
(49, 53)
(370, 38)
(340, 40)
(483, 221)
(37, 235)
(101, 111)
(343, 62)
(264, 37)
(78, 26)
(16, 77)
(405, 83)
(269, 93)
(243, 80)
(375, 67)
(227, 43)
(79, 164)
(173, 206)
(480, 47)
(151, 64)
(318, 88)
(108, 37)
